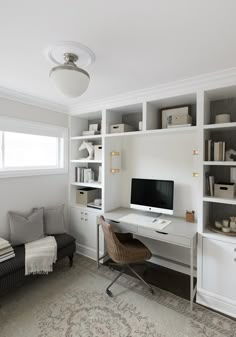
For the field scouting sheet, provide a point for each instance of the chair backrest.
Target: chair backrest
(114, 247)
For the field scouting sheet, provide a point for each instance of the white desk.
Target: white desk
(178, 232)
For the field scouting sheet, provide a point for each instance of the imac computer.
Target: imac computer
(152, 195)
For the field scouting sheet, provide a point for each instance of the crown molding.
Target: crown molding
(208, 81)
(25, 98)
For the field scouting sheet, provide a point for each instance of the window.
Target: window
(33, 148)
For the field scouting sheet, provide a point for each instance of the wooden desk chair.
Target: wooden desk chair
(124, 250)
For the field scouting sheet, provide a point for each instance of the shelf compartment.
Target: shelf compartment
(231, 201)
(129, 114)
(81, 122)
(154, 113)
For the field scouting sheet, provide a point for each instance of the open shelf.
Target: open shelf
(86, 208)
(222, 126)
(183, 129)
(93, 185)
(231, 201)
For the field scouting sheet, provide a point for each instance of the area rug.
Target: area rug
(71, 302)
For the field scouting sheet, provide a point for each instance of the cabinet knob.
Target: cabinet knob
(87, 220)
(81, 218)
(86, 213)
(235, 249)
(235, 260)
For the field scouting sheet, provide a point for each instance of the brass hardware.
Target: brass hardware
(195, 174)
(195, 152)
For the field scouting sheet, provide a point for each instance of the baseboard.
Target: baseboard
(86, 251)
(216, 302)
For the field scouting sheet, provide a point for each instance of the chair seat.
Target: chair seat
(135, 251)
(18, 262)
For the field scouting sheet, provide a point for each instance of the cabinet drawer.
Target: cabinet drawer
(123, 227)
(177, 240)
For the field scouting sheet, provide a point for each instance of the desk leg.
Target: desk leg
(98, 248)
(192, 290)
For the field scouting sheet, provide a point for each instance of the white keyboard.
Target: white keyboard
(145, 221)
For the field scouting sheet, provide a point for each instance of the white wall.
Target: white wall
(23, 193)
(163, 157)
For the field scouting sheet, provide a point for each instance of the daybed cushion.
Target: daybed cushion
(18, 262)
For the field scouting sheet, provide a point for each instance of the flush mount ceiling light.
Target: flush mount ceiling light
(68, 75)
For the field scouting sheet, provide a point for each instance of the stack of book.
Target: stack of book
(214, 151)
(84, 175)
(6, 250)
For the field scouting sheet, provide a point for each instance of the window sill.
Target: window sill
(32, 172)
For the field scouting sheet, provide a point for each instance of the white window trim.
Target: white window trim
(20, 125)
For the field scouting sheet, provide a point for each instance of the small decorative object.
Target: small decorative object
(229, 155)
(226, 229)
(98, 152)
(115, 162)
(93, 127)
(189, 216)
(225, 223)
(222, 118)
(176, 116)
(218, 224)
(97, 202)
(233, 223)
(89, 147)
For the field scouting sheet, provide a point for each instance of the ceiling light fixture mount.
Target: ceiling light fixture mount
(67, 75)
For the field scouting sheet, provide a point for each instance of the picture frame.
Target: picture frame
(177, 110)
(93, 127)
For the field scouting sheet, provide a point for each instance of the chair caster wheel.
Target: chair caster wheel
(109, 293)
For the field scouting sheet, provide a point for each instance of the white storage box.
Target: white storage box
(97, 152)
(224, 190)
(86, 195)
(180, 119)
(118, 128)
(176, 116)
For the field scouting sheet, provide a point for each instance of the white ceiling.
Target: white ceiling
(137, 43)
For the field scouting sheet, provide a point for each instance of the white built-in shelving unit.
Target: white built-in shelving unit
(216, 271)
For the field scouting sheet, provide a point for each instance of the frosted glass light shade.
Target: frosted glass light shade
(70, 80)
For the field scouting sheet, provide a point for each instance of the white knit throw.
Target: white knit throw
(40, 256)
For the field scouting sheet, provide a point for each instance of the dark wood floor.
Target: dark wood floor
(164, 278)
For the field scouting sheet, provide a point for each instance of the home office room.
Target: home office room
(118, 169)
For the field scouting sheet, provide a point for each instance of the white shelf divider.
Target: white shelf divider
(86, 137)
(224, 126)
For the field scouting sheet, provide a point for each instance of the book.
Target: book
(217, 151)
(211, 183)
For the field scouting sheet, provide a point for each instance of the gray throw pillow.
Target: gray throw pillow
(54, 222)
(25, 229)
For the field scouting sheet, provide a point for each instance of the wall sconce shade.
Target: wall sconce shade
(115, 162)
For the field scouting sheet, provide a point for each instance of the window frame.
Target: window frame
(8, 124)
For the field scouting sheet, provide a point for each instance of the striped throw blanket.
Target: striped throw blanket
(40, 256)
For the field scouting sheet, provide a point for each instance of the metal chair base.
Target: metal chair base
(109, 293)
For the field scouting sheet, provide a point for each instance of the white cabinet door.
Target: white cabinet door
(219, 268)
(83, 226)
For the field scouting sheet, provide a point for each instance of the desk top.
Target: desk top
(178, 226)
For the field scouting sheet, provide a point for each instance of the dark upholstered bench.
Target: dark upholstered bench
(12, 271)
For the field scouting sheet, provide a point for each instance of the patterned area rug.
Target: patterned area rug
(71, 302)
